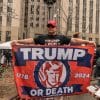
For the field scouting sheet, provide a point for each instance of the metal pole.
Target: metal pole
(49, 6)
(49, 12)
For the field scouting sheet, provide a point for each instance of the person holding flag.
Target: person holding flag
(52, 38)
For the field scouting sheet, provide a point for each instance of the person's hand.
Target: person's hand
(93, 89)
(15, 42)
(92, 43)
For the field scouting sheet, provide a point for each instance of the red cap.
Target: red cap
(52, 23)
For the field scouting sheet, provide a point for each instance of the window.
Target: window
(24, 35)
(38, 0)
(32, 0)
(69, 23)
(37, 25)
(9, 20)
(84, 38)
(91, 16)
(69, 20)
(97, 16)
(26, 14)
(9, 9)
(1, 9)
(77, 16)
(43, 19)
(31, 18)
(31, 24)
(37, 10)
(0, 35)
(8, 35)
(10, 1)
(84, 17)
(1, 1)
(90, 39)
(0, 20)
(32, 9)
(37, 18)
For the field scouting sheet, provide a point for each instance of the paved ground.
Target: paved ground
(82, 97)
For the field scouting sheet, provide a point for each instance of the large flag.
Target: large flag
(44, 71)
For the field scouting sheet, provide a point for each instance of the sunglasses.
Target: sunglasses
(50, 26)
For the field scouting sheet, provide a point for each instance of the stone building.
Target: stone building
(24, 18)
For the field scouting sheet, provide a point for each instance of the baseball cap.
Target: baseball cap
(52, 23)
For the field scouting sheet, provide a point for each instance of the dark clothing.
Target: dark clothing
(52, 39)
(98, 53)
(97, 70)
